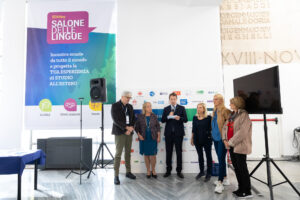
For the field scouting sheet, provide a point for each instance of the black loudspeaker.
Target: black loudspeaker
(98, 90)
(63, 152)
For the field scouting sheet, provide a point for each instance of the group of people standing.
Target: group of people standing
(227, 130)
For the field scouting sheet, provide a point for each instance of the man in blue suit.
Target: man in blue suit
(174, 115)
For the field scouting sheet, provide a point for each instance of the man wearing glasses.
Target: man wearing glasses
(123, 122)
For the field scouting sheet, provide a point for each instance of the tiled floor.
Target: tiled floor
(53, 185)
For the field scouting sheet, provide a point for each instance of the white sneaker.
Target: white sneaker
(216, 182)
(226, 182)
(219, 188)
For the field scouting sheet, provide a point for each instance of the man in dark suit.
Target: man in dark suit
(174, 115)
(123, 122)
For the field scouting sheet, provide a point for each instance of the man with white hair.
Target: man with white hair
(123, 122)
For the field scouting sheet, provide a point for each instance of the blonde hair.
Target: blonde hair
(238, 102)
(204, 107)
(144, 107)
(222, 105)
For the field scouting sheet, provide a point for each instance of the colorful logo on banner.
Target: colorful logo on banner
(45, 105)
(183, 102)
(163, 93)
(68, 27)
(211, 92)
(178, 93)
(134, 102)
(95, 106)
(161, 102)
(152, 94)
(200, 92)
(70, 105)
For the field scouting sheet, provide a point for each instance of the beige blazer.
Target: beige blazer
(242, 133)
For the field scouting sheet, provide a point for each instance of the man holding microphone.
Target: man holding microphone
(174, 115)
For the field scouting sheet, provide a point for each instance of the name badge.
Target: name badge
(127, 119)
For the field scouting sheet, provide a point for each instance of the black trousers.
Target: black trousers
(207, 149)
(172, 140)
(239, 162)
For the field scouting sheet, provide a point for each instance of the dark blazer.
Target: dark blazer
(140, 125)
(119, 118)
(177, 124)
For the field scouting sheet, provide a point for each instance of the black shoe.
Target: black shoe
(236, 192)
(154, 176)
(180, 175)
(167, 174)
(117, 181)
(148, 175)
(207, 178)
(244, 195)
(199, 175)
(130, 175)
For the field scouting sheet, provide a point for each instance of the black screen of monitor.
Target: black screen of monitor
(261, 91)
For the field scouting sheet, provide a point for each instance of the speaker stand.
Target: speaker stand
(81, 163)
(101, 148)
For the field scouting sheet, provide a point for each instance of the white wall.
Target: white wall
(11, 108)
(164, 43)
(290, 82)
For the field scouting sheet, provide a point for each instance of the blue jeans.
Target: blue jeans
(221, 153)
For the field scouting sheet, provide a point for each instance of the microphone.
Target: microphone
(172, 109)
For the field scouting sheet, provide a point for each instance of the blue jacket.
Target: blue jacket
(215, 131)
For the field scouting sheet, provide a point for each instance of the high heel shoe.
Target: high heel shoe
(148, 176)
(154, 176)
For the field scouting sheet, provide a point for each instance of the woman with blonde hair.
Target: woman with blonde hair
(148, 129)
(237, 137)
(201, 138)
(220, 115)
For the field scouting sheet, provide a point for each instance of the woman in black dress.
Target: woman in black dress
(201, 138)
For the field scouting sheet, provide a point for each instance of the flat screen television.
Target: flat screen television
(261, 91)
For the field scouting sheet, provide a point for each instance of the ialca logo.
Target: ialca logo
(152, 94)
(68, 27)
(45, 105)
(183, 102)
(70, 105)
(140, 93)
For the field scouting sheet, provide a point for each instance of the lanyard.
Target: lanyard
(124, 109)
(126, 114)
